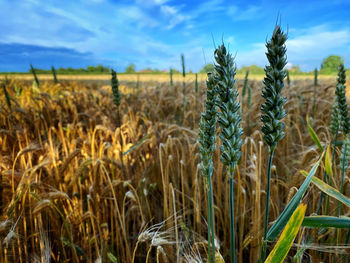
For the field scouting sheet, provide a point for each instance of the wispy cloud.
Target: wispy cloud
(239, 14)
(318, 40)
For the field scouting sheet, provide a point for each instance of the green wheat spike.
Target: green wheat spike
(229, 122)
(342, 106)
(273, 109)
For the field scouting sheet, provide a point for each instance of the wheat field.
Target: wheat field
(66, 195)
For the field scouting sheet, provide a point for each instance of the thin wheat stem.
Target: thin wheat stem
(232, 214)
(211, 231)
(344, 166)
(315, 91)
(267, 204)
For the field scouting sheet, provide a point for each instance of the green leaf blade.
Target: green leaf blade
(329, 190)
(328, 162)
(284, 243)
(313, 134)
(282, 220)
(326, 221)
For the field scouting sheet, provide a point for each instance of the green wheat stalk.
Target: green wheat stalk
(315, 77)
(249, 104)
(272, 110)
(54, 75)
(229, 120)
(315, 86)
(183, 65)
(344, 161)
(138, 81)
(344, 124)
(196, 84)
(35, 76)
(288, 78)
(171, 76)
(206, 139)
(249, 98)
(183, 71)
(339, 122)
(245, 84)
(116, 100)
(115, 91)
(7, 95)
(341, 101)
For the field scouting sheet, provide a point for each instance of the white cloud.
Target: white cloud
(175, 21)
(313, 43)
(160, 2)
(173, 16)
(93, 1)
(168, 10)
(150, 3)
(230, 40)
(206, 7)
(236, 14)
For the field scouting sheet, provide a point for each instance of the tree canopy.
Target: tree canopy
(207, 68)
(253, 69)
(331, 63)
(130, 69)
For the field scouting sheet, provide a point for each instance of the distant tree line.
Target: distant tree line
(130, 69)
(69, 70)
(329, 65)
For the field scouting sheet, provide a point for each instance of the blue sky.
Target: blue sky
(153, 33)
